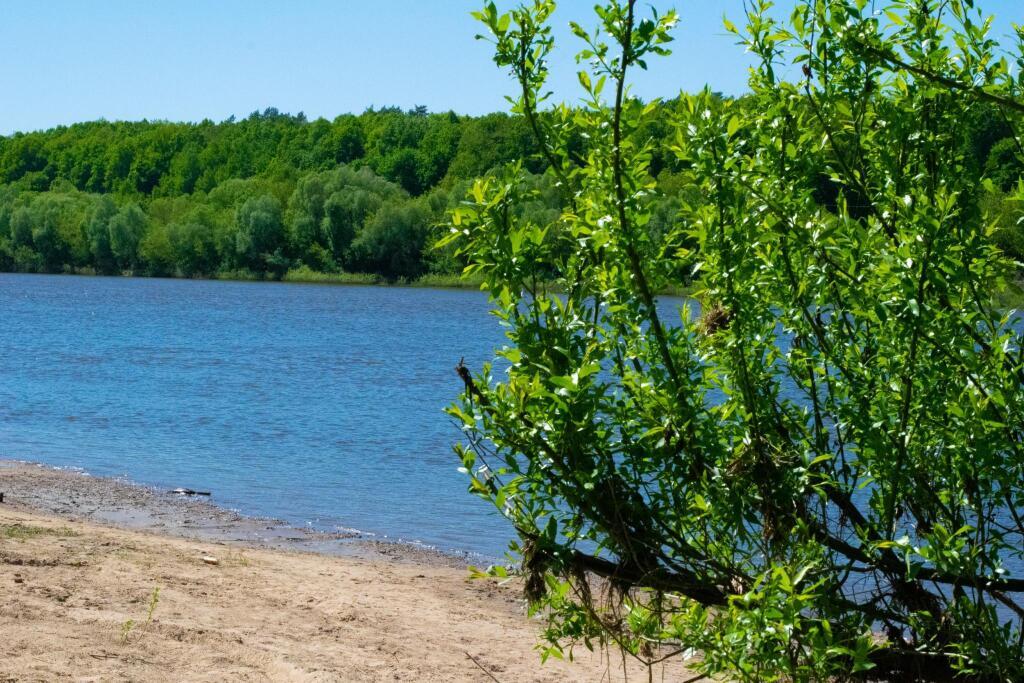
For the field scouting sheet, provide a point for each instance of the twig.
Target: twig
(481, 667)
(471, 389)
(667, 657)
(951, 83)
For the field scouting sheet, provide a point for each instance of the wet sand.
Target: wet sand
(77, 495)
(242, 599)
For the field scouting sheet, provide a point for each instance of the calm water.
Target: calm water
(316, 405)
(319, 405)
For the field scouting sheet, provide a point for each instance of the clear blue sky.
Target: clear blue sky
(63, 61)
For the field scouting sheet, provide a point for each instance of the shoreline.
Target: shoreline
(428, 281)
(79, 495)
(443, 282)
(104, 580)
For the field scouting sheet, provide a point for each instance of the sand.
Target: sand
(81, 559)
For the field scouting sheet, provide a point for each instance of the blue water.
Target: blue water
(316, 405)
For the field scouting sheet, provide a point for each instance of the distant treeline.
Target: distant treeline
(276, 193)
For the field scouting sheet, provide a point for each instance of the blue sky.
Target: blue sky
(63, 61)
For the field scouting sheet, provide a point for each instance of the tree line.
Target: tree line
(275, 193)
(252, 198)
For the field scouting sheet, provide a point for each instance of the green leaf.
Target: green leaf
(503, 23)
(734, 125)
(895, 18)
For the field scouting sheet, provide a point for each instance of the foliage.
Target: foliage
(1005, 213)
(393, 240)
(307, 274)
(198, 200)
(820, 475)
(187, 183)
(1005, 163)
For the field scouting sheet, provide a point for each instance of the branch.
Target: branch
(684, 583)
(950, 83)
(472, 390)
(635, 264)
(895, 567)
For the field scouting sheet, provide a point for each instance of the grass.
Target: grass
(126, 627)
(445, 280)
(236, 559)
(308, 275)
(23, 532)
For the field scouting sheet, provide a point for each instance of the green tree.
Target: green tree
(23, 256)
(437, 148)
(393, 240)
(8, 197)
(127, 228)
(491, 141)
(260, 231)
(1005, 213)
(157, 253)
(1005, 163)
(402, 166)
(195, 252)
(46, 227)
(819, 477)
(305, 217)
(98, 230)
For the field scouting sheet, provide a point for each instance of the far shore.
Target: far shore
(104, 580)
(304, 276)
(300, 276)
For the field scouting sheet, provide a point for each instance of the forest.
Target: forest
(278, 196)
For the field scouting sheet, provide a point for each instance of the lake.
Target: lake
(318, 405)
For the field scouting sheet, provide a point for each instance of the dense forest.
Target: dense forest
(276, 195)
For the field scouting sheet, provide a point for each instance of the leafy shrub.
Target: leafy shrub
(821, 474)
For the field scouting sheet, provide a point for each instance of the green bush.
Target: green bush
(820, 476)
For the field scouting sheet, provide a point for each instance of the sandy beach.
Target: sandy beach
(101, 580)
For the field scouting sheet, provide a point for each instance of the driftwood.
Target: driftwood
(482, 667)
(190, 492)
